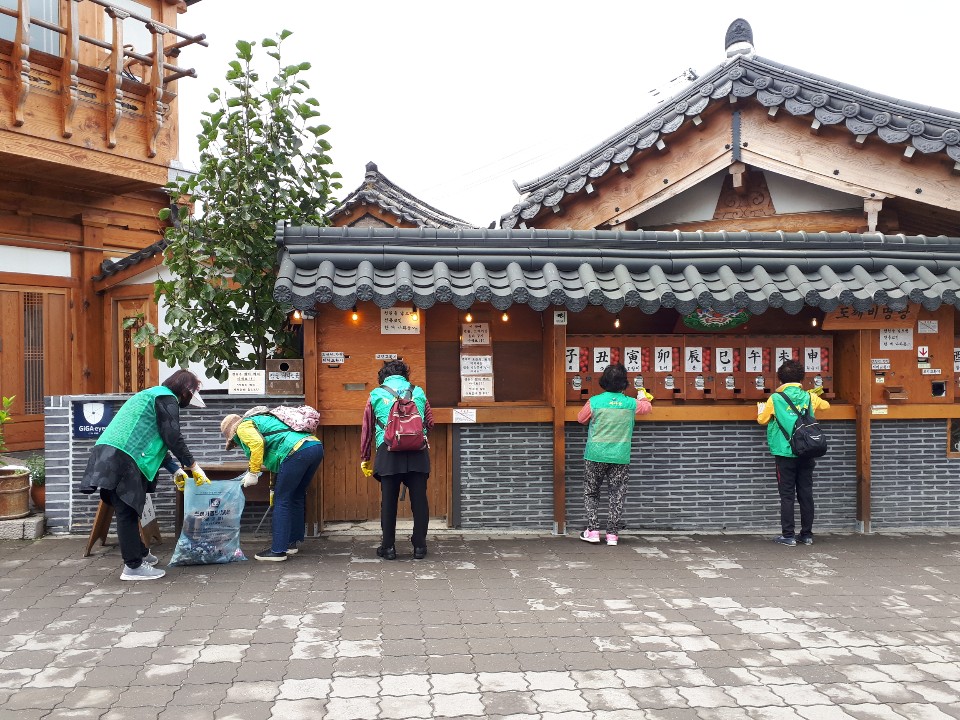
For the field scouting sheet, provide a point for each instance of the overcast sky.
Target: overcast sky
(454, 101)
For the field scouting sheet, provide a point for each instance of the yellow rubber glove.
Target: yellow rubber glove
(179, 478)
(366, 467)
(642, 393)
(199, 476)
(817, 390)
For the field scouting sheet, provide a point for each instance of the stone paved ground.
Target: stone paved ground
(659, 628)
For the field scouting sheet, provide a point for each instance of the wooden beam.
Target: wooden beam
(69, 82)
(114, 89)
(871, 209)
(117, 278)
(738, 170)
(828, 161)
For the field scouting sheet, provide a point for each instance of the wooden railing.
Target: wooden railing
(154, 65)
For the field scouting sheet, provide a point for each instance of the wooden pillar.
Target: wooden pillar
(310, 369)
(558, 397)
(92, 343)
(864, 414)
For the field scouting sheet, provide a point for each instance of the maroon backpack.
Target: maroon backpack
(404, 429)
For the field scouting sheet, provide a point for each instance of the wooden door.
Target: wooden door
(348, 496)
(134, 367)
(34, 358)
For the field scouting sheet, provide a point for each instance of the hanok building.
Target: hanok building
(88, 138)
(763, 213)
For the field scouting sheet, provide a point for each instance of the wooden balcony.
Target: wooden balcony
(100, 111)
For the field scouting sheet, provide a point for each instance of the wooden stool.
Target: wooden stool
(149, 532)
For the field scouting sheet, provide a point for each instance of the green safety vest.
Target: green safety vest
(611, 427)
(382, 401)
(278, 440)
(134, 431)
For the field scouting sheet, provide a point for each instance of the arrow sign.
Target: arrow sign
(923, 351)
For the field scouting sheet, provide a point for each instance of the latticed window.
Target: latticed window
(41, 39)
(133, 361)
(33, 353)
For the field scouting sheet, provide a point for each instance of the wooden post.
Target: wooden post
(69, 82)
(149, 533)
(558, 396)
(864, 413)
(314, 515)
(92, 345)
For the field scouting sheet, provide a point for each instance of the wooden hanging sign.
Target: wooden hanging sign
(879, 316)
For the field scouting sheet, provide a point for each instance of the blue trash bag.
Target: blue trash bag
(211, 523)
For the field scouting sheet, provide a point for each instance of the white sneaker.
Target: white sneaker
(150, 559)
(144, 572)
(294, 548)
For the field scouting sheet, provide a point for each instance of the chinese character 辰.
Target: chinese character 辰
(693, 355)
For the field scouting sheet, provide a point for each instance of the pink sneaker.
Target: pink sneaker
(590, 536)
(612, 539)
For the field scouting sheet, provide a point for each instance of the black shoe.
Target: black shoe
(269, 555)
(389, 553)
(808, 540)
(419, 553)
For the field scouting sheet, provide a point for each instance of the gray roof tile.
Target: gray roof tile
(649, 270)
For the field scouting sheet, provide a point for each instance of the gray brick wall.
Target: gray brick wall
(506, 476)
(714, 476)
(70, 511)
(913, 482)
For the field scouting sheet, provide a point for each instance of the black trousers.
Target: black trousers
(795, 483)
(132, 549)
(389, 497)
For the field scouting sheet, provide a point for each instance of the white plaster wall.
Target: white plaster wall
(795, 196)
(31, 261)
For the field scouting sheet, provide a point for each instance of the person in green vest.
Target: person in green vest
(610, 416)
(126, 458)
(293, 457)
(794, 475)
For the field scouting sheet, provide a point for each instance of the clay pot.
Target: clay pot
(38, 496)
(14, 492)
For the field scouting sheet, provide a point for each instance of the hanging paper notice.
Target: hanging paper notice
(332, 358)
(601, 358)
(633, 359)
(811, 359)
(464, 415)
(754, 358)
(724, 358)
(399, 321)
(663, 359)
(572, 361)
(781, 356)
(956, 359)
(693, 359)
(247, 382)
(475, 334)
(476, 364)
(476, 386)
(896, 339)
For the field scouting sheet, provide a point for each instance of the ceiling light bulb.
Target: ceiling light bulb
(355, 315)
(814, 322)
(469, 317)
(616, 323)
(504, 317)
(297, 315)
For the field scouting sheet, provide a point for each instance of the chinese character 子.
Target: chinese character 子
(571, 354)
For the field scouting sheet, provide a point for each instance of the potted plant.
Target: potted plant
(37, 466)
(14, 479)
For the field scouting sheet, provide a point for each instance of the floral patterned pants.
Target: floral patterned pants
(616, 476)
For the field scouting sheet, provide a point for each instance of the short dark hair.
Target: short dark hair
(393, 367)
(614, 378)
(183, 384)
(791, 371)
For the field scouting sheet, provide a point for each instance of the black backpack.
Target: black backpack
(807, 439)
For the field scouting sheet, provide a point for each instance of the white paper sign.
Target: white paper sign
(559, 317)
(663, 359)
(476, 364)
(149, 513)
(884, 363)
(476, 386)
(475, 334)
(724, 358)
(247, 382)
(896, 339)
(811, 359)
(693, 359)
(464, 415)
(572, 361)
(601, 358)
(399, 321)
(929, 327)
(754, 359)
(956, 359)
(633, 359)
(385, 356)
(332, 358)
(781, 356)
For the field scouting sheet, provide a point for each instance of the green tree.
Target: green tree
(263, 159)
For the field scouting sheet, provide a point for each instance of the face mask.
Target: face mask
(197, 401)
